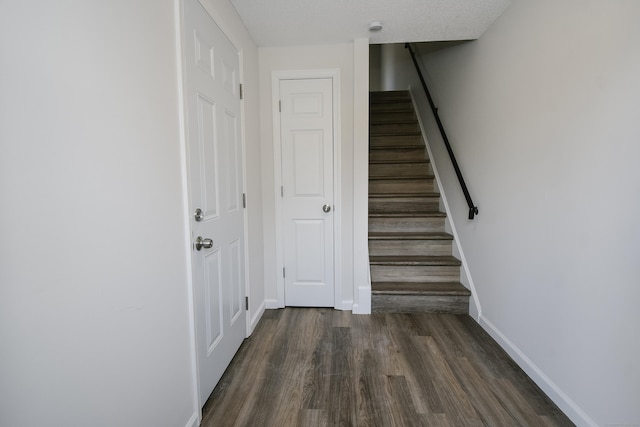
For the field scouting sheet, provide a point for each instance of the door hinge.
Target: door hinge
(283, 273)
(280, 106)
(244, 200)
(241, 91)
(246, 303)
(282, 191)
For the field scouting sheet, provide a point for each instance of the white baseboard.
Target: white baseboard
(564, 402)
(364, 298)
(194, 421)
(272, 304)
(256, 317)
(345, 305)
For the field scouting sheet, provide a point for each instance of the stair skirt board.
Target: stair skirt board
(410, 255)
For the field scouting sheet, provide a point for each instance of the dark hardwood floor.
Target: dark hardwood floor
(322, 367)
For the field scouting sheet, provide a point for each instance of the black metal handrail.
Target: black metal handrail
(473, 209)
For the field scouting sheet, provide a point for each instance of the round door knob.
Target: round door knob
(326, 208)
(203, 243)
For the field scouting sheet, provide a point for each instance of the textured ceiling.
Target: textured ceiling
(303, 22)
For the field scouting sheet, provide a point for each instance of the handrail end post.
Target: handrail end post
(473, 211)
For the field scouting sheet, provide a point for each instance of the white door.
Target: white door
(211, 73)
(306, 124)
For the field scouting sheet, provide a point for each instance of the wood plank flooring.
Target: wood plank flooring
(322, 367)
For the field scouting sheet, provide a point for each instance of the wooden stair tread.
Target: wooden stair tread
(402, 195)
(426, 214)
(397, 235)
(400, 178)
(420, 288)
(379, 132)
(402, 260)
(397, 146)
(391, 107)
(397, 161)
(420, 161)
(395, 139)
(388, 121)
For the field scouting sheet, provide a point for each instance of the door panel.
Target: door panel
(233, 160)
(308, 174)
(211, 70)
(306, 123)
(206, 188)
(213, 296)
(309, 257)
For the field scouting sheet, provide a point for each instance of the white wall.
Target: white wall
(229, 21)
(543, 115)
(94, 321)
(308, 58)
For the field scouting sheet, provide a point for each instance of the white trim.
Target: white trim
(184, 164)
(334, 75)
(256, 317)
(194, 421)
(218, 18)
(272, 304)
(346, 305)
(277, 191)
(243, 143)
(360, 218)
(364, 299)
(564, 402)
(445, 203)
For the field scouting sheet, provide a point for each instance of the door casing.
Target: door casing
(276, 77)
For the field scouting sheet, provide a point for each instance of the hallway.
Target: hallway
(322, 367)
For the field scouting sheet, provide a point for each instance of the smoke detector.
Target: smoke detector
(375, 26)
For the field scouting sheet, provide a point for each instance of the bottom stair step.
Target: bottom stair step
(399, 297)
(419, 288)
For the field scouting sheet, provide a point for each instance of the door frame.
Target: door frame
(184, 154)
(276, 77)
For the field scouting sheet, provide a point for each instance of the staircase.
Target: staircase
(410, 254)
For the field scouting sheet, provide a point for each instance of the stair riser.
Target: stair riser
(409, 247)
(389, 117)
(390, 96)
(420, 273)
(393, 128)
(401, 186)
(400, 169)
(419, 304)
(406, 225)
(396, 140)
(404, 205)
(391, 107)
(400, 154)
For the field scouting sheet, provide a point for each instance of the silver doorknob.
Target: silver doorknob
(326, 208)
(203, 243)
